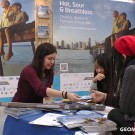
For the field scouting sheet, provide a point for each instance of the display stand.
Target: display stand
(43, 21)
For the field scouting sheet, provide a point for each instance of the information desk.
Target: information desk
(21, 126)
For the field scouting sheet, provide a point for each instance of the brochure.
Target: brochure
(43, 32)
(21, 112)
(43, 11)
(91, 122)
(52, 105)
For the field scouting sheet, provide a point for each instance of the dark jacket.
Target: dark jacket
(127, 91)
(114, 99)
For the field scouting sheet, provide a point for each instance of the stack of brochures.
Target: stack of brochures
(21, 112)
(43, 32)
(88, 121)
(81, 105)
(43, 11)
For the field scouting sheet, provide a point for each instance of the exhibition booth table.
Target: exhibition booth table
(21, 126)
(13, 126)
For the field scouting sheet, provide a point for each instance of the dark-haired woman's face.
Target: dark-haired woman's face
(99, 68)
(49, 61)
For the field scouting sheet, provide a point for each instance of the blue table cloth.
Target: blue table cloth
(21, 126)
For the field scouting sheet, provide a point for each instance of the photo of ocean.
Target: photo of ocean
(78, 60)
(22, 54)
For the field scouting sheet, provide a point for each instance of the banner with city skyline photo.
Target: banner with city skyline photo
(80, 26)
(86, 22)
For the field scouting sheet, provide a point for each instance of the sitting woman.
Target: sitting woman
(36, 79)
(102, 73)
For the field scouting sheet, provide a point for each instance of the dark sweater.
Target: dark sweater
(30, 88)
(127, 96)
(113, 99)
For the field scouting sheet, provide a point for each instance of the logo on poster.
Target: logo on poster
(127, 129)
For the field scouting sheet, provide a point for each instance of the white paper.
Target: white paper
(106, 111)
(75, 81)
(82, 133)
(8, 86)
(49, 119)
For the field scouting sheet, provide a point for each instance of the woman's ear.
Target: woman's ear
(124, 57)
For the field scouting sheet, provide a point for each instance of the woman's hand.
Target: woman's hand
(98, 77)
(98, 96)
(73, 97)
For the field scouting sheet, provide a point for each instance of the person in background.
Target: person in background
(123, 22)
(123, 60)
(19, 22)
(6, 21)
(36, 79)
(102, 73)
(115, 28)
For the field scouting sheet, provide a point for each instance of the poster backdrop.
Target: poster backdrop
(74, 82)
(73, 26)
(82, 24)
(77, 26)
(8, 86)
(22, 50)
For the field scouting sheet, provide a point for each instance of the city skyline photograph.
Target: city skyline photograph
(80, 20)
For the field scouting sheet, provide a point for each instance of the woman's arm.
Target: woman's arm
(55, 93)
(38, 86)
(127, 96)
(108, 99)
(112, 100)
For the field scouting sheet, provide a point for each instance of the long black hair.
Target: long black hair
(43, 50)
(104, 61)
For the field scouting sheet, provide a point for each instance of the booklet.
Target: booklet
(53, 105)
(43, 11)
(43, 32)
(21, 112)
(107, 125)
(88, 122)
(85, 98)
